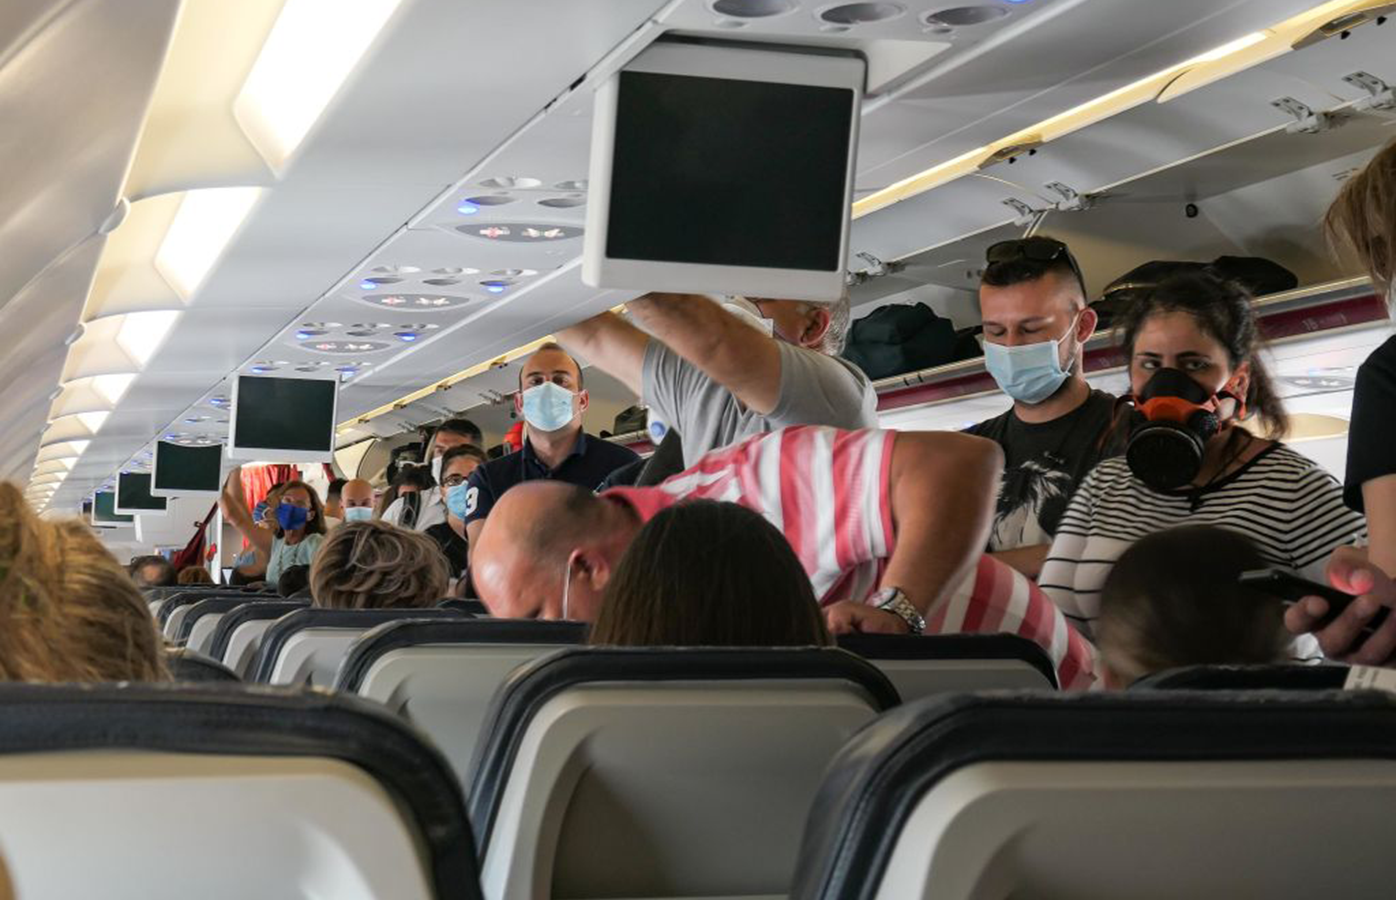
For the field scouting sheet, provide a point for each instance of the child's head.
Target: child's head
(1173, 600)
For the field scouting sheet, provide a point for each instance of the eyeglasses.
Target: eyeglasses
(451, 481)
(1036, 249)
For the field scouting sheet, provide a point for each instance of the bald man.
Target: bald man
(890, 528)
(356, 498)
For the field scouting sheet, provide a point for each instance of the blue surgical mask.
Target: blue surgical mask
(358, 514)
(291, 517)
(548, 407)
(1029, 373)
(458, 500)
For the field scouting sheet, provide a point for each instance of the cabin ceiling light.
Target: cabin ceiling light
(93, 421)
(142, 333)
(309, 53)
(205, 223)
(113, 387)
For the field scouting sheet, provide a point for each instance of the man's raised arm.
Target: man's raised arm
(611, 344)
(730, 352)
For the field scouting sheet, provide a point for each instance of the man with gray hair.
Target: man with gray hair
(718, 373)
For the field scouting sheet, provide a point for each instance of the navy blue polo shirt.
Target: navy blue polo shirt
(587, 466)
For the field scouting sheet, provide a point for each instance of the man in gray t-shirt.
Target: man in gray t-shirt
(712, 376)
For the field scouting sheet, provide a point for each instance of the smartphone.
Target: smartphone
(1289, 588)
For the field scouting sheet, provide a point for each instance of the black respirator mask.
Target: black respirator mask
(1165, 450)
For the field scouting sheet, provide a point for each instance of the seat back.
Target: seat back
(201, 619)
(707, 759)
(186, 665)
(1145, 795)
(1290, 677)
(173, 791)
(441, 675)
(925, 665)
(475, 608)
(238, 634)
(307, 646)
(175, 607)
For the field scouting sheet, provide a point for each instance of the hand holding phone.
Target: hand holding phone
(1290, 588)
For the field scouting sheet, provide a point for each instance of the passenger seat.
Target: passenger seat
(926, 665)
(1147, 795)
(638, 772)
(441, 675)
(238, 634)
(306, 647)
(145, 792)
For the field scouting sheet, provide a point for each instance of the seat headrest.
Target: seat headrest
(255, 721)
(878, 778)
(530, 686)
(172, 602)
(186, 665)
(298, 620)
(1282, 677)
(389, 636)
(950, 646)
(250, 610)
(209, 605)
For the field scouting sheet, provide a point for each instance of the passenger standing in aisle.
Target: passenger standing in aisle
(1192, 342)
(1036, 323)
(552, 399)
(716, 379)
(299, 528)
(1363, 220)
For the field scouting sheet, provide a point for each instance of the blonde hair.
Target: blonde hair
(68, 610)
(374, 565)
(1363, 217)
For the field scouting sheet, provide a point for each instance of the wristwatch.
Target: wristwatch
(894, 600)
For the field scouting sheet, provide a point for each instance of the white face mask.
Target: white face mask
(750, 314)
(436, 467)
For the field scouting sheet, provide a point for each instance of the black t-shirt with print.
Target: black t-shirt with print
(1371, 434)
(1044, 463)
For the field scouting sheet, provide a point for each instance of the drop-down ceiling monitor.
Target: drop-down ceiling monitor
(721, 169)
(183, 471)
(283, 420)
(133, 497)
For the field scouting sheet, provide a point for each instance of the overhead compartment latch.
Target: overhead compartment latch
(1380, 94)
(1026, 214)
(1306, 121)
(1072, 199)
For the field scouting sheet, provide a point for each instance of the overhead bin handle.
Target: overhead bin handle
(1380, 94)
(1306, 121)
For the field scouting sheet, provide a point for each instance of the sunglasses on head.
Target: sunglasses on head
(1043, 250)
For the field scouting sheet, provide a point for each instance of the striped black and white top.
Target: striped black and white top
(1292, 509)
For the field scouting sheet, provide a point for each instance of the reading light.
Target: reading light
(113, 387)
(309, 53)
(205, 223)
(466, 208)
(142, 333)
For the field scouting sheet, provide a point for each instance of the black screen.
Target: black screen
(104, 509)
(725, 172)
(179, 468)
(133, 492)
(285, 414)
